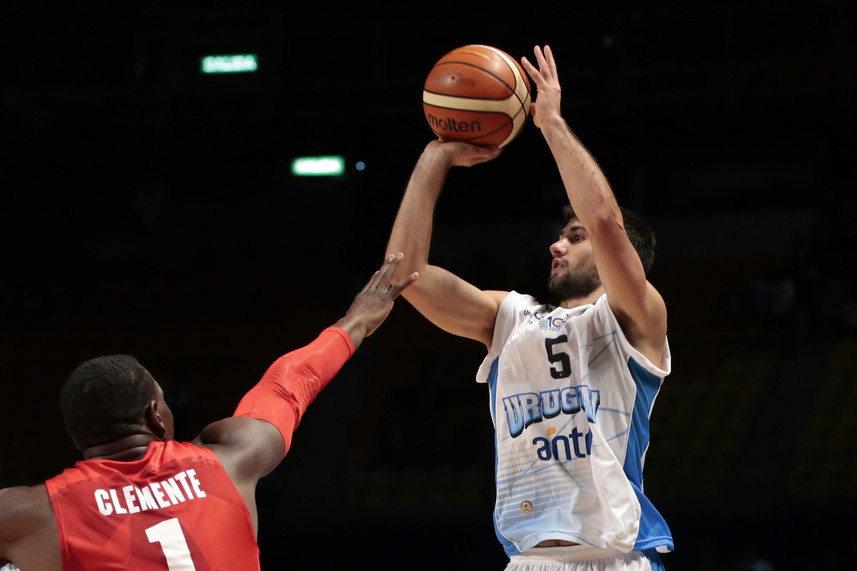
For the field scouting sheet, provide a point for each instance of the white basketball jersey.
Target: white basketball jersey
(570, 403)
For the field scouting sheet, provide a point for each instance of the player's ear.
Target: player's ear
(155, 421)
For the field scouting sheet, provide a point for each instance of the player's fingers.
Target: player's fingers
(532, 71)
(550, 61)
(540, 58)
(376, 277)
(372, 283)
(399, 286)
(391, 262)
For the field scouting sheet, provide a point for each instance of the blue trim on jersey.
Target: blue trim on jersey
(654, 559)
(654, 531)
(491, 381)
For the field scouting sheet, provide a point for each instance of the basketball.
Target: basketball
(477, 94)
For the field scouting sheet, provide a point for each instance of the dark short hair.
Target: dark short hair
(639, 232)
(105, 398)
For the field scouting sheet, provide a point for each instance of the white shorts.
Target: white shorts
(582, 558)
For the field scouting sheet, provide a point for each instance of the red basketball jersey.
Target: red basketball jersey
(173, 510)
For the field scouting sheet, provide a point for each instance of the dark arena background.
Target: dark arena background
(149, 208)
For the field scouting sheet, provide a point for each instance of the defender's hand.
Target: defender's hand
(375, 301)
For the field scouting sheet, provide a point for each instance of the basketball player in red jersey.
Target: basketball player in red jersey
(141, 500)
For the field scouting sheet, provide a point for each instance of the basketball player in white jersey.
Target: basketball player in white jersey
(571, 386)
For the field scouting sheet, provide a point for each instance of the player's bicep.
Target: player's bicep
(26, 520)
(621, 270)
(455, 305)
(249, 448)
(638, 306)
(13, 519)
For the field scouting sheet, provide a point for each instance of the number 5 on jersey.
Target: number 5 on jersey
(560, 359)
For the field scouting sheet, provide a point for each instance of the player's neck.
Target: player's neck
(125, 449)
(573, 302)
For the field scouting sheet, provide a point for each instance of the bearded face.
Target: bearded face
(574, 282)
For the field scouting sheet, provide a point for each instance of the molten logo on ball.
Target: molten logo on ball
(450, 125)
(477, 94)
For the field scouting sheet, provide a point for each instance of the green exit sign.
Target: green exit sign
(234, 63)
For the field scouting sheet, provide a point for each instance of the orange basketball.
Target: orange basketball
(477, 94)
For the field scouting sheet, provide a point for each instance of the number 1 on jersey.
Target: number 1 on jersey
(169, 534)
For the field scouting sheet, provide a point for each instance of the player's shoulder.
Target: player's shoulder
(22, 494)
(525, 308)
(519, 298)
(21, 506)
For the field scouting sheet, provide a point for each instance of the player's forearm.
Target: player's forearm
(294, 380)
(587, 187)
(356, 326)
(412, 229)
